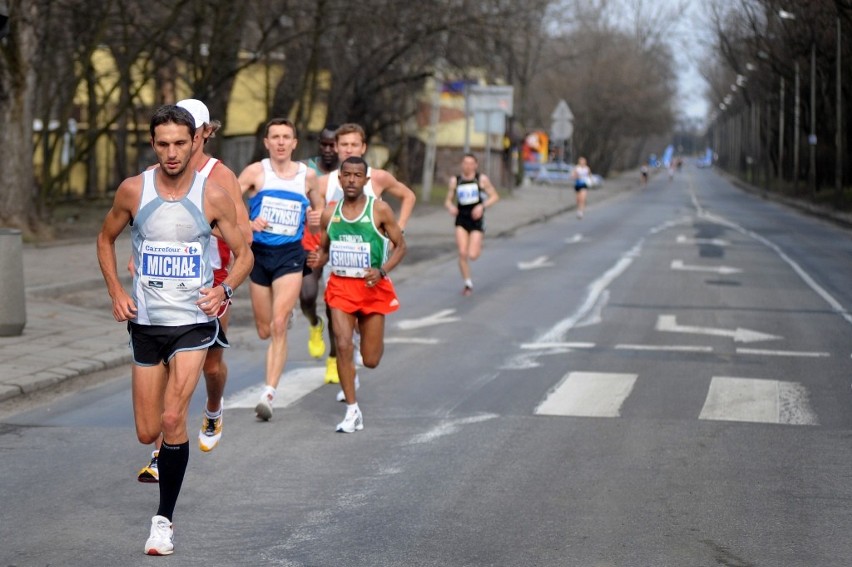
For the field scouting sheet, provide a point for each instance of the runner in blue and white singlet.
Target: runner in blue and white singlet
(280, 192)
(282, 203)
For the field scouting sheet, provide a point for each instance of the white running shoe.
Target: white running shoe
(160, 541)
(341, 397)
(211, 430)
(352, 422)
(263, 409)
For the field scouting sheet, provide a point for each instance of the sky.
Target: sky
(687, 37)
(690, 55)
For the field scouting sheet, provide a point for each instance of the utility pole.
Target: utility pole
(431, 145)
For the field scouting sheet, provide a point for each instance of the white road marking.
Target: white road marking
(783, 353)
(540, 346)
(668, 323)
(724, 270)
(574, 239)
(410, 341)
(596, 315)
(438, 318)
(588, 394)
(665, 348)
(682, 239)
(294, 385)
(449, 427)
(757, 401)
(594, 292)
(540, 262)
(827, 297)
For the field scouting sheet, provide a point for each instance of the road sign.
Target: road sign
(562, 125)
(490, 99)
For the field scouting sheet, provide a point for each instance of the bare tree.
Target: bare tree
(17, 85)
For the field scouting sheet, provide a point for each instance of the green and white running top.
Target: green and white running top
(356, 244)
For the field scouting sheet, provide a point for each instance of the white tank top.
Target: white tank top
(334, 192)
(170, 254)
(215, 257)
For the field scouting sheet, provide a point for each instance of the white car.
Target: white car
(554, 173)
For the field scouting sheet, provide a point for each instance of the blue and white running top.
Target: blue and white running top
(170, 254)
(334, 192)
(283, 203)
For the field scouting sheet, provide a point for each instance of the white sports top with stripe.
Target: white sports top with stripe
(170, 242)
(334, 192)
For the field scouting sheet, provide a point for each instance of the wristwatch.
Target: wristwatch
(383, 273)
(228, 290)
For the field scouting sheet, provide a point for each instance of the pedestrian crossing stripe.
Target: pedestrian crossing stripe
(588, 394)
(757, 401)
(751, 400)
(294, 385)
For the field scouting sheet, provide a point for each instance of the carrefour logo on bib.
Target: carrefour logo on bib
(166, 249)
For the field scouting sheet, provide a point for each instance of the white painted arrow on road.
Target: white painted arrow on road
(668, 323)
(681, 239)
(725, 270)
(540, 262)
(438, 318)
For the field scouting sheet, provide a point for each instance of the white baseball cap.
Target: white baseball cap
(198, 110)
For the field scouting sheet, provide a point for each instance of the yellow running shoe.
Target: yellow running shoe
(316, 344)
(331, 376)
(150, 472)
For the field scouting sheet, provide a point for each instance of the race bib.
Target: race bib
(171, 265)
(283, 215)
(468, 193)
(349, 259)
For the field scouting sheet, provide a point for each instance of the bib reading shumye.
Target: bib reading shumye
(349, 259)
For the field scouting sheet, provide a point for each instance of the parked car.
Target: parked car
(555, 173)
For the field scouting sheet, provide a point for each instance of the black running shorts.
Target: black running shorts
(156, 344)
(272, 262)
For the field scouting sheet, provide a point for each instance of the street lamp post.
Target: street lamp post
(797, 113)
(838, 131)
(812, 138)
(781, 132)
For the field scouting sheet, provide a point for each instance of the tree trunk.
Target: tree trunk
(17, 85)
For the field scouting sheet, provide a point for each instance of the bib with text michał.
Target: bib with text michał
(171, 265)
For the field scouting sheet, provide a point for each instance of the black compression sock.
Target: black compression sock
(172, 463)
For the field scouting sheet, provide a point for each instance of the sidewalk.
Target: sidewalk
(70, 330)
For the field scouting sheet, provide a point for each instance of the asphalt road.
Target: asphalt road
(666, 382)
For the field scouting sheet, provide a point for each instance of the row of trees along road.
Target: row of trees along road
(782, 105)
(618, 78)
